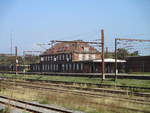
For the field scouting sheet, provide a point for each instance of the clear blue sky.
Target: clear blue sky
(38, 21)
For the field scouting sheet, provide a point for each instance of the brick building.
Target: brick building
(75, 56)
(66, 57)
(138, 64)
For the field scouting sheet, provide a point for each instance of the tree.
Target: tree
(122, 53)
(135, 53)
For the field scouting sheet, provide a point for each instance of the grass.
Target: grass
(140, 73)
(5, 110)
(125, 82)
(69, 101)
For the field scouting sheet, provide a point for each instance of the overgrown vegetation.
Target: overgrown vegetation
(125, 82)
(122, 53)
(74, 102)
(6, 60)
(5, 110)
(140, 73)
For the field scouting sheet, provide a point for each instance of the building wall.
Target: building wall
(85, 56)
(78, 67)
(62, 56)
(138, 64)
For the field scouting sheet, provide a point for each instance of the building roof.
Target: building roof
(138, 58)
(109, 60)
(65, 47)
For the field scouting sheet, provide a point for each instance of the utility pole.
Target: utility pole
(102, 42)
(122, 39)
(23, 61)
(106, 52)
(116, 70)
(16, 54)
(11, 44)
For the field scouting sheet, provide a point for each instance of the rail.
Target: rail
(34, 107)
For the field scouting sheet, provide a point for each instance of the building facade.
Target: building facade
(66, 57)
(138, 64)
(76, 56)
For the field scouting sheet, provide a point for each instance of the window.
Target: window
(48, 58)
(54, 67)
(45, 58)
(86, 49)
(93, 56)
(70, 66)
(47, 67)
(51, 67)
(43, 67)
(63, 67)
(38, 68)
(63, 57)
(32, 68)
(77, 65)
(74, 67)
(70, 56)
(86, 56)
(66, 67)
(80, 56)
(57, 58)
(51, 58)
(42, 59)
(81, 66)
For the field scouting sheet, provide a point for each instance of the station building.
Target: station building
(75, 56)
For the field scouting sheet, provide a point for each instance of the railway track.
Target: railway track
(32, 107)
(102, 85)
(39, 108)
(74, 92)
(114, 91)
(89, 84)
(128, 89)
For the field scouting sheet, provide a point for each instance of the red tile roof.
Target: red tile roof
(67, 47)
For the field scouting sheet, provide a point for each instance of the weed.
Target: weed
(5, 110)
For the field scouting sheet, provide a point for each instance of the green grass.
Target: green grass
(125, 82)
(140, 73)
(44, 101)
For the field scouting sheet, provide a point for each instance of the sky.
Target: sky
(29, 22)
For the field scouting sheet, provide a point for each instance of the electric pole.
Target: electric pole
(106, 52)
(102, 43)
(11, 43)
(16, 54)
(116, 70)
